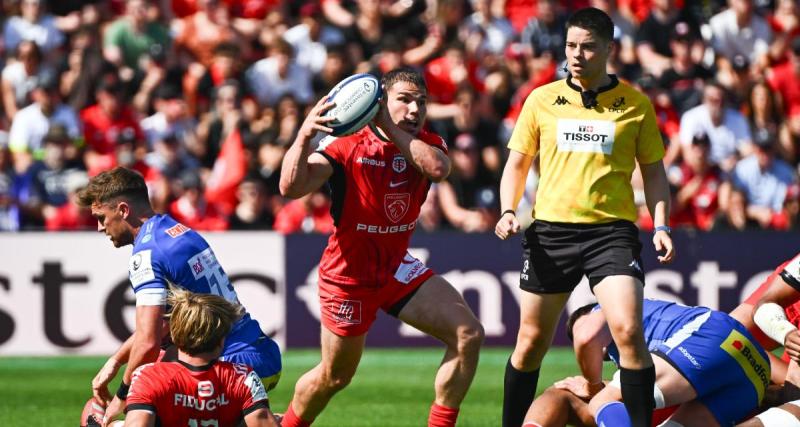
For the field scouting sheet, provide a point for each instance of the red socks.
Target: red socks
(442, 416)
(292, 420)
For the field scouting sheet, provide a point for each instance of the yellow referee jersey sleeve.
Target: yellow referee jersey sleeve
(587, 155)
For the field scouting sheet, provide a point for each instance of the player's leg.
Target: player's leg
(786, 415)
(313, 391)
(556, 407)
(440, 311)
(693, 414)
(264, 357)
(620, 297)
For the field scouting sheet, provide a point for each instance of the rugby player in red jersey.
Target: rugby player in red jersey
(379, 178)
(198, 390)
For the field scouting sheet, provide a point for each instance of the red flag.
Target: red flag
(229, 170)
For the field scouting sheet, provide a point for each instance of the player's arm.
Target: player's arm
(512, 185)
(141, 418)
(589, 343)
(304, 171)
(109, 371)
(770, 316)
(429, 160)
(657, 196)
(261, 417)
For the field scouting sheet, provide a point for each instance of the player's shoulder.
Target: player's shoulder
(432, 138)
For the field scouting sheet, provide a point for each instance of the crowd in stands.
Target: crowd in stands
(203, 97)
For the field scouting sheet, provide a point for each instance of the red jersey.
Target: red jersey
(377, 195)
(220, 393)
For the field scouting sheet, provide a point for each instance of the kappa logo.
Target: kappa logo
(348, 311)
(399, 163)
(560, 100)
(635, 265)
(396, 206)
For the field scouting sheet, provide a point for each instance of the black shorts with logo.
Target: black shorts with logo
(557, 255)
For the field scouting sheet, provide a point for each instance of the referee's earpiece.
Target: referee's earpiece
(589, 98)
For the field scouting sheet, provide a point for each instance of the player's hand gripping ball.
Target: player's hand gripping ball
(357, 100)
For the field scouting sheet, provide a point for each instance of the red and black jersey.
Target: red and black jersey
(377, 194)
(220, 393)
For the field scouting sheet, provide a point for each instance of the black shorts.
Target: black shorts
(557, 255)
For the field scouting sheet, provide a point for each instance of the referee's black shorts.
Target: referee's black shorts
(557, 255)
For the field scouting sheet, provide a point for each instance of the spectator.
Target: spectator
(253, 211)
(33, 24)
(337, 67)
(103, 123)
(734, 216)
(219, 122)
(545, 32)
(270, 156)
(129, 37)
(198, 34)
(462, 196)
(783, 80)
(19, 77)
(308, 214)
(763, 112)
(652, 39)
(278, 75)
(311, 37)
(171, 118)
(70, 215)
(739, 31)
(764, 179)
(444, 75)
(82, 69)
(494, 32)
(32, 122)
(191, 209)
(227, 67)
(726, 128)
(695, 183)
(50, 174)
(785, 25)
(684, 79)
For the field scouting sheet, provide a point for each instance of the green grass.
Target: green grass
(392, 388)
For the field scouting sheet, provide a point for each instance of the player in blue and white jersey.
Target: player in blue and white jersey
(165, 253)
(705, 361)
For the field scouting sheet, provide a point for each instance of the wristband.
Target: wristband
(666, 228)
(122, 391)
(511, 211)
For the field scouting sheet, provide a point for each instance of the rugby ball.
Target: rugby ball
(92, 409)
(357, 100)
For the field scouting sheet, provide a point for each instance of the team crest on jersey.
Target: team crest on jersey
(399, 163)
(396, 205)
(346, 311)
(176, 230)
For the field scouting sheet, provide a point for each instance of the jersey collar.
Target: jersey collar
(614, 82)
(198, 368)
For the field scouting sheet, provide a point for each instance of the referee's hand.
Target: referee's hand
(507, 226)
(663, 242)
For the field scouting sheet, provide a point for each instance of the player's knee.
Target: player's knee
(336, 381)
(470, 338)
(628, 336)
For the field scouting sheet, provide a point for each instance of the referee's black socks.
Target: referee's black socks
(637, 393)
(518, 392)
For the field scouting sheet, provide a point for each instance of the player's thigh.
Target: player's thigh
(341, 354)
(694, 414)
(438, 309)
(621, 298)
(673, 385)
(539, 316)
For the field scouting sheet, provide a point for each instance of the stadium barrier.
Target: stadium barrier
(67, 293)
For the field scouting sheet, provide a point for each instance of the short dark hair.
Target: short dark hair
(403, 74)
(594, 20)
(116, 183)
(577, 314)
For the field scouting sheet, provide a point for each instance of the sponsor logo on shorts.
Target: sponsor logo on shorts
(176, 230)
(747, 356)
(396, 205)
(347, 311)
(525, 267)
(690, 358)
(635, 265)
(410, 268)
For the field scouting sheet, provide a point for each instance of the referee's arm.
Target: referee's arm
(657, 196)
(512, 185)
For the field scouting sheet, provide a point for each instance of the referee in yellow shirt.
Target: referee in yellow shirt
(588, 130)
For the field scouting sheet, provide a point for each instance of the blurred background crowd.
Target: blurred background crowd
(203, 97)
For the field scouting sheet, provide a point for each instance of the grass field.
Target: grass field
(392, 388)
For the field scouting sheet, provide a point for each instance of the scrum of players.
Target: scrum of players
(712, 368)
